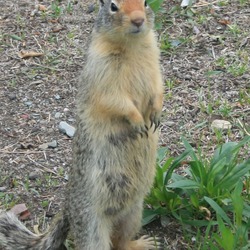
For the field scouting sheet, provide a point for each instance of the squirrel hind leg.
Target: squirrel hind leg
(91, 232)
(126, 229)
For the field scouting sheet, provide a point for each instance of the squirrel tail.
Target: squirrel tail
(15, 236)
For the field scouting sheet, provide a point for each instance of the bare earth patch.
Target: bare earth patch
(206, 67)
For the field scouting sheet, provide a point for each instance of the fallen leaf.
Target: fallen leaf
(25, 54)
(207, 211)
(224, 21)
(42, 7)
(54, 21)
(57, 29)
(21, 211)
(24, 215)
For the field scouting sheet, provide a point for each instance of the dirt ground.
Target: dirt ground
(206, 70)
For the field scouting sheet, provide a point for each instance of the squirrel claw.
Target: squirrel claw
(142, 130)
(154, 121)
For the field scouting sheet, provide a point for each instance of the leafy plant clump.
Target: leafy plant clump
(211, 196)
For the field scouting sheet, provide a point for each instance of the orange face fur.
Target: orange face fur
(129, 6)
(133, 16)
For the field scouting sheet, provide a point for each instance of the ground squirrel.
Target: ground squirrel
(119, 105)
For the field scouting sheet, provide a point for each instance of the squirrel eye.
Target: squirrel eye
(145, 4)
(114, 8)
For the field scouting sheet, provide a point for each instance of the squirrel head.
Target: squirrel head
(119, 19)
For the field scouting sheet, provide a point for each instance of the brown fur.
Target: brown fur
(118, 106)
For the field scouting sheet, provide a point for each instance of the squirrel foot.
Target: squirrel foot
(145, 243)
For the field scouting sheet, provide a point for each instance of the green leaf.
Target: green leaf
(159, 194)
(155, 4)
(227, 238)
(184, 184)
(191, 150)
(238, 203)
(225, 150)
(215, 173)
(195, 200)
(199, 223)
(232, 178)
(228, 150)
(167, 164)
(15, 37)
(159, 177)
(198, 171)
(149, 215)
(219, 211)
(161, 153)
(213, 72)
(175, 164)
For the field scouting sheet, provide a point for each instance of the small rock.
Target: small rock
(196, 30)
(36, 116)
(57, 97)
(91, 8)
(3, 189)
(175, 43)
(52, 144)
(187, 77)
(33, 176)
(221, 124)
(28, 103)
(58, 115)
(46, 145)
(12, 96)
(170, 124)
(185, 3)
(69, 130)
(35, 129)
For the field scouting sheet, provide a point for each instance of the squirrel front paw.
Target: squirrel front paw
(155, 112)
(141, 129)
(155, 119)
(138, 124)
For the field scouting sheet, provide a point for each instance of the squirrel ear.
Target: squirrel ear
(102, 2)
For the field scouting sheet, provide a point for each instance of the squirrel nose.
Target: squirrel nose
(138, 22)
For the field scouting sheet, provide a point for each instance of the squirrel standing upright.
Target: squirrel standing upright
(119, 105)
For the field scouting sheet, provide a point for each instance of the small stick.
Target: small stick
(45, 168)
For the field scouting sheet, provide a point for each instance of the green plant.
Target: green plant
(56, 9)
(238, 69)
(155, 4)
(162, 200)
(244, 96)
(225, 109)
(209, 193)
(7, 200)
(45, 204)
(166, 43)
(234, 29)
(243, 2)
